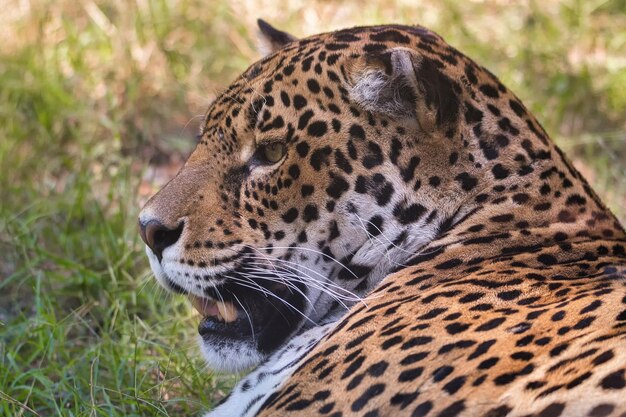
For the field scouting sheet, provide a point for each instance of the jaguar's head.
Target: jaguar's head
(318, 171)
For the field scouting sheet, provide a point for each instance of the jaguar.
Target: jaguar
(372, 224)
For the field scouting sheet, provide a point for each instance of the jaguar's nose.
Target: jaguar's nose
(158, 237)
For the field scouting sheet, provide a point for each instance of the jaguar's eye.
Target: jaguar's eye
(272, 152)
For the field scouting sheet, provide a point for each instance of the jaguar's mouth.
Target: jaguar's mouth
(224, 311)
(261, 312)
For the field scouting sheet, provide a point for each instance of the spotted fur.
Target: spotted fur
(475, 271)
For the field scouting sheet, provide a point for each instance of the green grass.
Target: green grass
(98, 105)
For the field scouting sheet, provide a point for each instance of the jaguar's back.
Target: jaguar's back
(518, 308)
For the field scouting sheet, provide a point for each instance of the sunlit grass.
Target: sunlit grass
(99, 104)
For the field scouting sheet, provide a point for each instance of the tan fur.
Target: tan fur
(511, 300)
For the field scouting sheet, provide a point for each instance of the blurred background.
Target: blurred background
(99, 105)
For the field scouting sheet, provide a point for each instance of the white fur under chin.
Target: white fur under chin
(230, 356)
(253, 390)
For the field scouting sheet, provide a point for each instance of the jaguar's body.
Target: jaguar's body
(394, 234)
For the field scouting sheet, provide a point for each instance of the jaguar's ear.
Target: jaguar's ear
(403, 84)
(272, 39)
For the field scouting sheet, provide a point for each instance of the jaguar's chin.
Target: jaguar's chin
(230, 356)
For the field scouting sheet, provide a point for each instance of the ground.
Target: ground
(98, 106)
